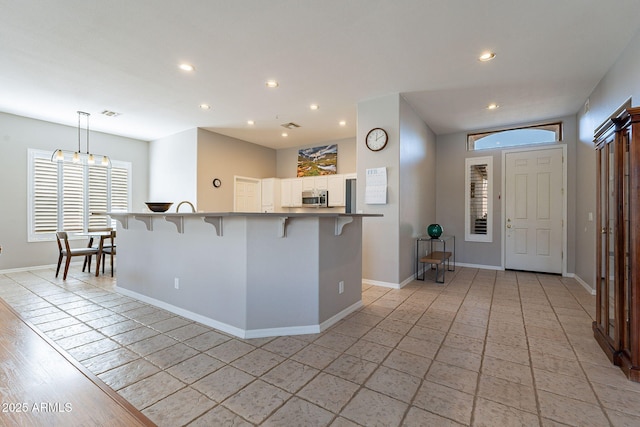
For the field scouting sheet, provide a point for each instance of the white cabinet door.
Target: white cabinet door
(296, 192)
(308, 183)
(312, 183)
(291, 193)
(321, 183)
(335, 186)
(270, 195)
(285, 193)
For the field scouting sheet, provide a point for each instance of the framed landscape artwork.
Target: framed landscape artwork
(318, 160)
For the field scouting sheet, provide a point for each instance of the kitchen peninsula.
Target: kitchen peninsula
(248, 274)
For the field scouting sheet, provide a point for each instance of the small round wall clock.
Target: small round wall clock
(217, 183)
(376, 139)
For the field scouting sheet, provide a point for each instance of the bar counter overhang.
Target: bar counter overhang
(248, 274)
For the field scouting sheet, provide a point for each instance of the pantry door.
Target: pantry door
(534, 203)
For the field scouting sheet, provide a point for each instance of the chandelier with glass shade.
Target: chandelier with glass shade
(80, 157)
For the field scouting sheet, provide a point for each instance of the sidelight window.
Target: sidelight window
(478, 202)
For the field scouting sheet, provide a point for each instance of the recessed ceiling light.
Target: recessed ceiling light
(314, 106)
(187, 67)
(272, 83)
(251, 122)
(285, 134)
(205, 106)
(487, 56)
(110, 113)
(492, 106)
(342, 123)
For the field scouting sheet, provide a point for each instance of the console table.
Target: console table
(436, 255)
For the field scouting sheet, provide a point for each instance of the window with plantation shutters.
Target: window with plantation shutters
(62, 196)
(478, 206)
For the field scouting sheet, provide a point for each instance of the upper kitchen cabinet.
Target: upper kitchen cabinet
(336, 190)
(311, 183)
(291, 193)
(270, 195)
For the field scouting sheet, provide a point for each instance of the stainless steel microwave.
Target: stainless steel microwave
(315, 199)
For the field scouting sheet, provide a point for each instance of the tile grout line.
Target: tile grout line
(526, 335)
(564, 331)
(484, 347)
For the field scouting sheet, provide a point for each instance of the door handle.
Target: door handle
(604, 230)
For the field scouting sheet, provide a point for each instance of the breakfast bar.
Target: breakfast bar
(247, 274)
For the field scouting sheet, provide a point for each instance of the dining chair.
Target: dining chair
(96, 230)
(108, 249)
(66, 251)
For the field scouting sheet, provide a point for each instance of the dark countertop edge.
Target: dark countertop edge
(248, 214)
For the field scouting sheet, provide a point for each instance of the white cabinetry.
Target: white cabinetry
(335, 187)
(291, 193)
(270, 195)
(308, 183)
(311, 183)
(322, 182)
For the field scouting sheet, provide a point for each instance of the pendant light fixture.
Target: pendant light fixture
(79, 157)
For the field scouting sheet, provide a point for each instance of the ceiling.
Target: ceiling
(123, 56)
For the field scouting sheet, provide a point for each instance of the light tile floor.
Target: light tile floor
(487, 348)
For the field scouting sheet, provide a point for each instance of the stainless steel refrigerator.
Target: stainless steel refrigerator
(350, 196)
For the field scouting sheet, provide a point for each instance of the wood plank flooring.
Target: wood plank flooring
(41, 386)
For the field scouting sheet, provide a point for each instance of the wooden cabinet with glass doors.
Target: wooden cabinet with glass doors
(617, 325)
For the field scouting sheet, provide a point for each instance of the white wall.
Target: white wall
(19, 134)
(620, 83)
(173, 169)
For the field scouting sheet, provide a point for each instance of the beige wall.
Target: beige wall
(409, 157)
(417, 185)
(17, 135)
(619, 84)
(287, 158)
(223, 157)
(450, 210)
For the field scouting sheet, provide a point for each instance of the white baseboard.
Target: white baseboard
(239, 332)
(481, 266)
(38, 267)
(380, 283)
(582, 282)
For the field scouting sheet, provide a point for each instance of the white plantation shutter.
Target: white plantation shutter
(45, 195)
(479, 199)
(98, 195)
(63, 195)
(72, 197)
(119, 189)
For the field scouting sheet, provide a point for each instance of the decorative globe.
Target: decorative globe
(434, 230)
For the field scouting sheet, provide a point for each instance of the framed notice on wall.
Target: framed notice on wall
(375, 192)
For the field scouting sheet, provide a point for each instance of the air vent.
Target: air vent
(110, 113)
(290, 125)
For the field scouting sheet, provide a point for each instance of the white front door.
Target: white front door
(534, 210)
